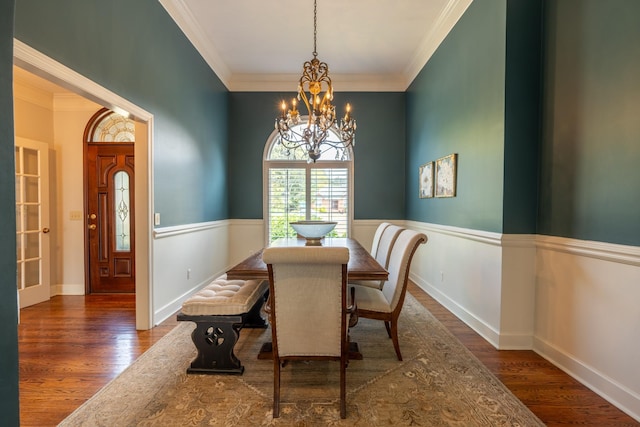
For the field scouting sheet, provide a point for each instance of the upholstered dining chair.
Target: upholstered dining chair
(388, 236)
(309, 309)
(376, 238)
(386, 304)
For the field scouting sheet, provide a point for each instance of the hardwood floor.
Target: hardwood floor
(71, 346)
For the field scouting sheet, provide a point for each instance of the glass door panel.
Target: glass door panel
(32, 220)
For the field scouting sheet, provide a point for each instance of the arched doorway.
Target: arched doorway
(109, 181)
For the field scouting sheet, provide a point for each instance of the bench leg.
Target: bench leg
(215, 341)
(253, 318)
(216, 336)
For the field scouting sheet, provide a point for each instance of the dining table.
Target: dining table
(362, 266)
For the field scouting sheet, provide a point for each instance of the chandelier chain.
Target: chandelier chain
(315, 27)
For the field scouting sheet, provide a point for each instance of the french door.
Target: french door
(32, 221)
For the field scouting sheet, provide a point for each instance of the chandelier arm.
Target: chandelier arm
(299, 139)
(302, 95)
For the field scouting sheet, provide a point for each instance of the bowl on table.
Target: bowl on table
(313, 231)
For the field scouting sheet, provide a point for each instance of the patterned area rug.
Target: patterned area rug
(440, 383)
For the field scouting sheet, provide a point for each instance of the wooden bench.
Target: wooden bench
(219, 311)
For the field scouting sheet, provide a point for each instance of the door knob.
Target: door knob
(92, 226)
(45, 230)
(92, 216)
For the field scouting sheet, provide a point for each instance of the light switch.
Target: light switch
(156, 219)
(75, 215)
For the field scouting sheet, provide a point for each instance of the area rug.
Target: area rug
(439, 383)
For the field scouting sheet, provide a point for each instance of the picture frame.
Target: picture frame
(446, 176)
(426, 180)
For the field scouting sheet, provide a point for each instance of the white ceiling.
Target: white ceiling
(263, 47)
(258, 45)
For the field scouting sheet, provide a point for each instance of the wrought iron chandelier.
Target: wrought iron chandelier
(316, 91)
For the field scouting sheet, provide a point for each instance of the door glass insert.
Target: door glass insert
(30, 161)
(28, 216)
(31, 273)
(121, 218)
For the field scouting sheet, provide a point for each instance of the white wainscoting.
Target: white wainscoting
(484, 278)
(185, 259)
(576, 303)
(573, 302)
(587, 319)
(246, 236)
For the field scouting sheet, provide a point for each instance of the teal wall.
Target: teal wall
(8, 303)
(379, 152)
(590, 173)
(134, 49)
(522, 116)
(456, 105)
(477, 96)
(541, 100)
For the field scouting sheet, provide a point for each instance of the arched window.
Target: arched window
(296, 189)
(110, 126)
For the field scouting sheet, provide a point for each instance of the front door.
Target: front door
(110, 217)
(32, 221)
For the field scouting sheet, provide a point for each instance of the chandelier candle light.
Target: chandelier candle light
(322, 114)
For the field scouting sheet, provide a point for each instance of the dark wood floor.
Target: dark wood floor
(72, 346)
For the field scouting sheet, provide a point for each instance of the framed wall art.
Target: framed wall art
(445, 176)
(426, 180)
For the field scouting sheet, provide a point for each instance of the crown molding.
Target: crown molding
(26, 92)
(182, 16)
(446, 21)
(341, 83)
(73, 102)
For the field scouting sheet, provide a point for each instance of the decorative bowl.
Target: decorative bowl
(313, 231)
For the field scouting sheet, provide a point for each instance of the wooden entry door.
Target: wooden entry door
(110, 218)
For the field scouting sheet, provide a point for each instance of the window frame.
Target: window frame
(267, 164)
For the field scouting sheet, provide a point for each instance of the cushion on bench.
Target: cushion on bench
(225, 297)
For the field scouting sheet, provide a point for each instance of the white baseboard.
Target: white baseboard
(626, 400)
(480, 327)
(67, 289)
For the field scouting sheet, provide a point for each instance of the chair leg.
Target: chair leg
(276, 387)
(343, 388)
(394, 337)
(386, 325)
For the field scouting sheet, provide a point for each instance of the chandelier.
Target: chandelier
(320, 131)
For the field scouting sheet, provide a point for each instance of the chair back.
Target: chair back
(402, 253)
(308, 295)
(376, 238)
(387, 240)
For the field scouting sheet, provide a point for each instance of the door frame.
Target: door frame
(37, 63)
